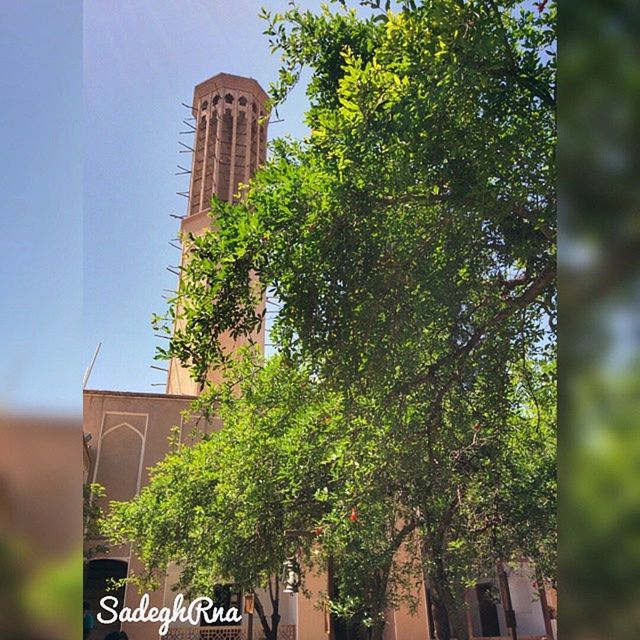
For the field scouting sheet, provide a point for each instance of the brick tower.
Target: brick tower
(230, 143)
(230, 139)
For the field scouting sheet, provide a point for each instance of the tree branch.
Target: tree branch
(538, 284)
(262, 616)
(533, 85)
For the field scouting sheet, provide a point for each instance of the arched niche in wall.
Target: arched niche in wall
(120, 461)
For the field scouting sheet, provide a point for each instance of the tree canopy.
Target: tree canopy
(409, 243)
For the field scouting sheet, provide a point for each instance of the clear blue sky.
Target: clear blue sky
(140, 62)
(90, 117)
(41, 200)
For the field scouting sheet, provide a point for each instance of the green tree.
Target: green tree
(289, 474)
(232, 507)
(410, 243)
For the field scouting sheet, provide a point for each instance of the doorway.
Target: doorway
(98, 582)
(488, 610)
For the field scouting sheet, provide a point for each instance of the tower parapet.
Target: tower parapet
(231, 121)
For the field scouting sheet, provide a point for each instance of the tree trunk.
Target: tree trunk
(440, 618)
(452, 608)
(274, 595)
(263, 619)
(456, 613)
(449, 610)
(379, 599)
(275, 621)
(506, 601)
(377, 631)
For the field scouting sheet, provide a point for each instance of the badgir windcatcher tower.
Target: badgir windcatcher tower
(126, 433)
(230, 143)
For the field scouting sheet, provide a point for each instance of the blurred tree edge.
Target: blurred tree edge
(410, 246)
(599, 168)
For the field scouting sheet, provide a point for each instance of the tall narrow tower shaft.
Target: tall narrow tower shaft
(230, 143)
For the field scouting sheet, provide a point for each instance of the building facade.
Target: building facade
(129, 432)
